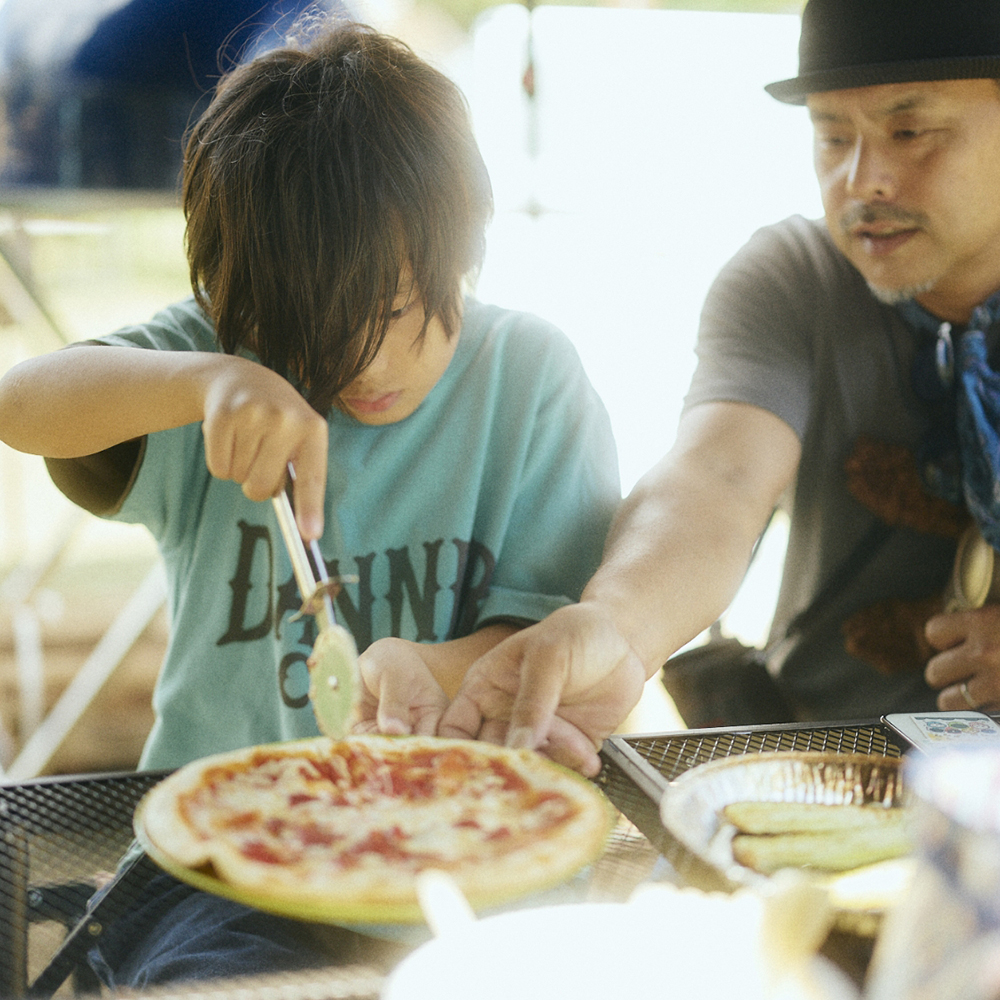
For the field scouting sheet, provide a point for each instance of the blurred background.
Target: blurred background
(632, 151)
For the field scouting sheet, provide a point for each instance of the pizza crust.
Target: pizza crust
(498, 843)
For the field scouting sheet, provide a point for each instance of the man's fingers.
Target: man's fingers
(219, 444)
(568, 746)
(486, 693)
(945, 668)
(537, 699)
(945, 631)
(265, 472)
(564, 743)
(410, 703)
(494, 731)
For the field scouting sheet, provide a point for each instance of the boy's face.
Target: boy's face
(405, 369)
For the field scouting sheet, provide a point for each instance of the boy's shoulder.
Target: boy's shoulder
(513, 332)
(182, 326)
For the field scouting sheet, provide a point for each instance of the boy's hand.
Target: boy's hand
(399, 694)
(561, 686)
(255, 423)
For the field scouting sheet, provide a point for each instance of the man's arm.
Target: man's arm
(675, 556)
(681, 543)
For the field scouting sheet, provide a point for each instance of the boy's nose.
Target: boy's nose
(379, 364)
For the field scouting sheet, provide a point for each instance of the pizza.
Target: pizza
(337, 829)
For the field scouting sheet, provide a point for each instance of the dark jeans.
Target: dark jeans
(176, 932)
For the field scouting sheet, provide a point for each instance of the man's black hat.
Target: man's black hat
(862, 43)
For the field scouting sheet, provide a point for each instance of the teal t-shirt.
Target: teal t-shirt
(491, 501)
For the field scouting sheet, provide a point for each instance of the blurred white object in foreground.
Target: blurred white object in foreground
(942, 940)
(665, 939)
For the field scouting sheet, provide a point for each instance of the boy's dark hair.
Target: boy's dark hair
(318, 171)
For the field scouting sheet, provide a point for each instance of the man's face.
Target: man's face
(406, 367)
(910, 180)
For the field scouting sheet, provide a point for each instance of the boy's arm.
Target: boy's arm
(88, 398)
(406, 685)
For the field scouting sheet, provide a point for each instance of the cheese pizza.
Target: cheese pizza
(338, 829)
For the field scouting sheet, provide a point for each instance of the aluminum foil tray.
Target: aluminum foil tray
(639, 768)
(691, 807)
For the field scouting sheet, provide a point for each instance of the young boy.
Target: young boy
(450, 455)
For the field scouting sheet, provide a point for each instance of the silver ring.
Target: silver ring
(964, 688)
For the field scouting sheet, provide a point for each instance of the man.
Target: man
(830, 382)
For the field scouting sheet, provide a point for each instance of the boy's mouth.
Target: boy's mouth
(372, 404)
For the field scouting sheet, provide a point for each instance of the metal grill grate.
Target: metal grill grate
(673, 755)
(61, 840)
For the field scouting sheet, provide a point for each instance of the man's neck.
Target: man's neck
(956, 304)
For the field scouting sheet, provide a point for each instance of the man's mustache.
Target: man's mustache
(866, 214)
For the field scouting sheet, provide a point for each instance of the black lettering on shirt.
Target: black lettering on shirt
(403, 582)
(241, 585)
(289, 600)
(357, 619)
(286, 681)
(469, 592)
(255, 608)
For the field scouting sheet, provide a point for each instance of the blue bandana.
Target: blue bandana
(959, 457)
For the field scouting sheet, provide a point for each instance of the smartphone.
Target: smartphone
(935, 730)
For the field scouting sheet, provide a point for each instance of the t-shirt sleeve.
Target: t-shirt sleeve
(99, 483)
(753, 345)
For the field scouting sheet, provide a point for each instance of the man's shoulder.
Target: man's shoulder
(797, 258)
(800, 238)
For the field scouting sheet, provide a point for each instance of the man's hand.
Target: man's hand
(561, 686)
(398, 694)
(969, 644)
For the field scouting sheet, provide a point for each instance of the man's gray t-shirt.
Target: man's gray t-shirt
(790, 326)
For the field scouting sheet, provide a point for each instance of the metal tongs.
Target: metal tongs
(333, 663)
(315, 587)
